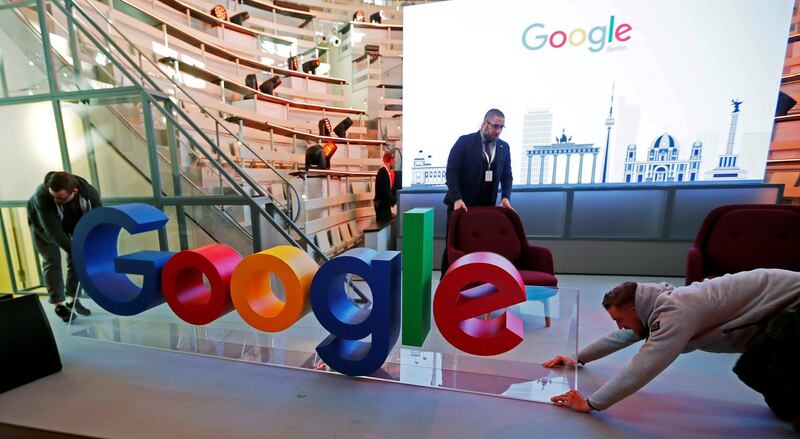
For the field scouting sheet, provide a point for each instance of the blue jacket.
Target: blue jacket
(466, 166)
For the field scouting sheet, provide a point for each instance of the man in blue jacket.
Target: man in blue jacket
(478, 166)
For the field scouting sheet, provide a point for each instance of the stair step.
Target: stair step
(262, 201)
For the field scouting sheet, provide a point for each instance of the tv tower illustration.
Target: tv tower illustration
(609, 124)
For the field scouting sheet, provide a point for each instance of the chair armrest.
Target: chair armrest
(694, 266)
(453, 255)
(538, 258)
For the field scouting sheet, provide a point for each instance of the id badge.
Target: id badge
(488, 177)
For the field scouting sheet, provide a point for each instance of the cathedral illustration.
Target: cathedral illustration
(423, 174)
(662, 164)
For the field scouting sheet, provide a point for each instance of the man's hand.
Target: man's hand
(505, 203)
(560, 360)
(572, 399)
(459, 204)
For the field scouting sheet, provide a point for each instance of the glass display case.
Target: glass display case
(549, 317)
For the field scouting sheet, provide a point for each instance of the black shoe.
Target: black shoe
(63, 312)
(80, 309)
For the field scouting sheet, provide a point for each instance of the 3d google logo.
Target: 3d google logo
(243, 284)
(597, 37)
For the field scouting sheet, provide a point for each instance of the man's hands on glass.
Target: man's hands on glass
(572, 399)
(560, 360)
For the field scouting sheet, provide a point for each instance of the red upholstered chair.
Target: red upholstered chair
(741, 237)
(499, 230)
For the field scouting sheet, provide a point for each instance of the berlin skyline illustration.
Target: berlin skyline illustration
(546, 162)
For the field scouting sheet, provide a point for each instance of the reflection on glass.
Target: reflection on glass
(29, 137)
(105, 141)
(516, 374)
(22, 66)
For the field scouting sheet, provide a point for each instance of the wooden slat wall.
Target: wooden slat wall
(783, 163)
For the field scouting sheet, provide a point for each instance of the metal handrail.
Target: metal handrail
(217, 121)
(156, 102)
(133, 131)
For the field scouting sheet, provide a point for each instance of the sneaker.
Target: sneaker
(80, 309)
(63, 312)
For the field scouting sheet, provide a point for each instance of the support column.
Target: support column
(541, 168)
(580, 168)
(530, 160)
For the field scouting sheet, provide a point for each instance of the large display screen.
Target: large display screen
(596, 91)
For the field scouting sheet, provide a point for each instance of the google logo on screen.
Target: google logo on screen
(596, 38)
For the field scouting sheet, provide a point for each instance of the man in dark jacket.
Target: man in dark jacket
(384, 189)
(479, 165)
(53, 211)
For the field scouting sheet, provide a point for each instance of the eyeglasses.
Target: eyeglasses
(494, 125)
(64, 199)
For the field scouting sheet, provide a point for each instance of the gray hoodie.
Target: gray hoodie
(716, 315)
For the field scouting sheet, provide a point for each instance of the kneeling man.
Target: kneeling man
(754, 312)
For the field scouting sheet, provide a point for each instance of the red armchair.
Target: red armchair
(741, 237)
(499, 230)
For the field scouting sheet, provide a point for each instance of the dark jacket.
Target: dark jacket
(384, 195)
(44, 216)
(466, 166)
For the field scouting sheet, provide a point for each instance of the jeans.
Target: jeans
(51, 269)
(769, 365)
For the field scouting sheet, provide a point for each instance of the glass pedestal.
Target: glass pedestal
(550, 323)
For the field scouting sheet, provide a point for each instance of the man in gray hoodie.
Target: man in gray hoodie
(739, 312)
(53, 211)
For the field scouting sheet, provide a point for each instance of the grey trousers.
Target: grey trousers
(51, 269)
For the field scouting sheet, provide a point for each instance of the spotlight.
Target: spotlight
(330, 40)
(785, 103)
(270, 84)
(377, 17)
(293, 62)
(220, 12)
(311, 66)
(325, 127)
(328, 150)
(315, 157)
(343, 126)
(240, 18)
(373, 51)
(251, 81)
(359, 17)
